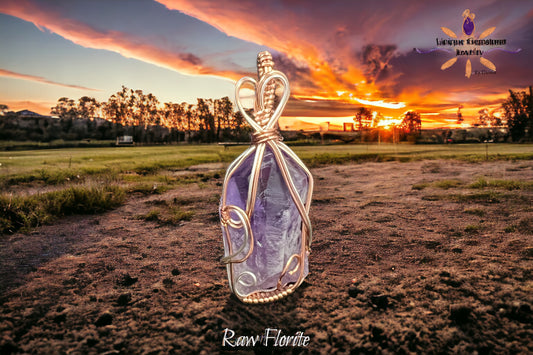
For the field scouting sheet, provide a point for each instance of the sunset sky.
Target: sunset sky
(338, 55)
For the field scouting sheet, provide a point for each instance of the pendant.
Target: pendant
(264, 207)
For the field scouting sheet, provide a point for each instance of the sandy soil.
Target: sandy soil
(393, 269)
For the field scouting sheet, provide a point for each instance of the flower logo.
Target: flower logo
(468, 31)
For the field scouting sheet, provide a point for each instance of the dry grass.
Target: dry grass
(29, 211)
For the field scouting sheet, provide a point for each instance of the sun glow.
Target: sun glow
(377, 103)
(389, 123)
(380, 103)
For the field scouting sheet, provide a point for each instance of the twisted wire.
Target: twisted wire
(265, 136)
(265, 65)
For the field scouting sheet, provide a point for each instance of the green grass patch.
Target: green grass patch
(153, 215)
(183, 200)
(420, 186)
(56, 177)
(57, 143)
(484, 197)
(178, 214)
(475, 211)
(473, 229)
(199, 177)
(510, 185)
(481, 197)
(149, 188)
(48, 177)
(26, 212)
(171, 215)
(328, 159)
(158, 184)
(448, 183)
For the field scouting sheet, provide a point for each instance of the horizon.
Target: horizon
(304, 124)
(390, 56)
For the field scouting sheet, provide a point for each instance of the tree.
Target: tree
(484, 117)
(87, 107)
(207, 119)
(223, 111)
(65, 108)
(518, 110)
(143, 109)
(117, 107)
(172, 115)
(487, 118)
(190, 113)
(238, 121)
(363, 118)
(151, 106)
(411, 123)
(460, 118)
(3, 109)
(411, 126)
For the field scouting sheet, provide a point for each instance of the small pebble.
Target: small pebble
(459, 313)
(353, 291)
(104, 319)
(124, 299)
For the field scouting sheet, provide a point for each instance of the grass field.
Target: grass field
(95, 160)
(31, 180)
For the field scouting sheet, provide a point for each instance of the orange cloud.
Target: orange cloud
(320, 63)
(337, 55)
(308, 41)
(345, 53)
(39, 79)
(125, 44)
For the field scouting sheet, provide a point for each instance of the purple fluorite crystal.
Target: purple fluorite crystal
(468, 26)
(275, 222)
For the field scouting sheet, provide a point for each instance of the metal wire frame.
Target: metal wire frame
(266, 134)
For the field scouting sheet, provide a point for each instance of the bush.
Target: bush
(26, 212)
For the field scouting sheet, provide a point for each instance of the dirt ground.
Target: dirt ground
(403, 261)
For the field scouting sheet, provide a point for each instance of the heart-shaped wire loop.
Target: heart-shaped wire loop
(270, 79)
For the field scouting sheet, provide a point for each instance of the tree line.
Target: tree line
(518, 111)
(132, 112)
(515, 115)
(210, 120)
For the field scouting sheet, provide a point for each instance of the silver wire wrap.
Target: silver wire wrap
(265, 123)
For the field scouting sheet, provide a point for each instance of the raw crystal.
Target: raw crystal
(468, 26)
(275, 222)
